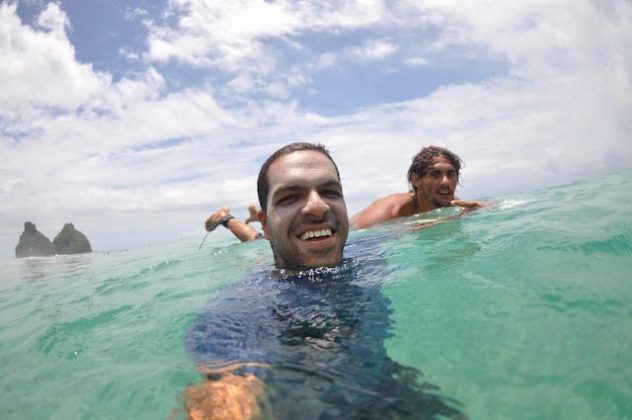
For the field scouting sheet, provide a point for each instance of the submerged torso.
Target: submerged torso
(322, 334)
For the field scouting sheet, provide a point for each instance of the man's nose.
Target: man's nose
(315, 205)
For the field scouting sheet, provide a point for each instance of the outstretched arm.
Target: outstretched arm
(240, 229)
(398, 205)
(252, 214)
(381, 210)
(468, 206)
(368, 217)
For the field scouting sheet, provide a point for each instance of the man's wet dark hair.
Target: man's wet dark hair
(263, 187)
(422, 161)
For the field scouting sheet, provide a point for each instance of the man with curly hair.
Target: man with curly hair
(432, 177)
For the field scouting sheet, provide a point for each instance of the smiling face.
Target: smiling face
(436, 187)
(306, 218)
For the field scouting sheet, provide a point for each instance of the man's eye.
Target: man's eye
(332, 193)
(286, 199)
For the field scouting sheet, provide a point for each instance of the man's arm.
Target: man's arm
(398, 205)
(238, 228)
(468, 206)
(227, 395)
(380, 211)
(225, 342)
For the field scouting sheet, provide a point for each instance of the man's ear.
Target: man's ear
(261, 215)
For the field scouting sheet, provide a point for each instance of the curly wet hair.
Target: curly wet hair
(422, 161)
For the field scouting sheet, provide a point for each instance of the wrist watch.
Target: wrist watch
(225, 220)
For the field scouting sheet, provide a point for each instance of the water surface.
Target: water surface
(521, 311)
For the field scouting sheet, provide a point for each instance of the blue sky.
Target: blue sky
(134, 120)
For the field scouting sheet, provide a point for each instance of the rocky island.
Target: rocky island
(35, 244)
(71, 241)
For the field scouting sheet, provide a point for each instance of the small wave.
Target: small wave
(615, 245)
(510, 204)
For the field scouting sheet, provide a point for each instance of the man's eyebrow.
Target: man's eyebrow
(332, 183)
(296, 187)
(288, 188)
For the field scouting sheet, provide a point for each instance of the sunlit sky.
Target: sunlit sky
(135, 120)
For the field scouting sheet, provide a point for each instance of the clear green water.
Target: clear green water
(520, 311)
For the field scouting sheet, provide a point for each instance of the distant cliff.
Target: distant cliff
(71, 241)
(33, 243)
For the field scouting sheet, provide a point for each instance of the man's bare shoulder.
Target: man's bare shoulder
(393, 201)
(383, 209)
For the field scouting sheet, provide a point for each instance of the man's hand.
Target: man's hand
(228, 397)
(215, 219)
(468, 205)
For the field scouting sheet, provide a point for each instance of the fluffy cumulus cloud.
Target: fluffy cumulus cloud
(232, 34)
(565, 107)
(76, 145)
(39, 68)
(250, 40)
(144, 157)
(375, 49)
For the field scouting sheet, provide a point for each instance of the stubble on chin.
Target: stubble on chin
(440, 204)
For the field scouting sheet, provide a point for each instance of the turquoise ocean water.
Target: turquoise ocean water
(520, 311)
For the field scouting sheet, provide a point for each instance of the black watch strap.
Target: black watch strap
(225, 220)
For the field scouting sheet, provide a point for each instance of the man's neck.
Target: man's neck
(422, 204)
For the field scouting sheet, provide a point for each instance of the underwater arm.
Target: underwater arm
(225, 342)
(227, 395)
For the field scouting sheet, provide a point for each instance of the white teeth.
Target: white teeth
(315, 234)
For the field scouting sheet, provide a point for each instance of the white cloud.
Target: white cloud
(325, 60)
(416, 62)
(136, 12)
(136, 156)
(54, 20)
(245, 38)
(373, 50)
(277, 90)
(227, 34)
(242, 83)
(129, 54)
(224, 34)
(39, 66)
(129, 92)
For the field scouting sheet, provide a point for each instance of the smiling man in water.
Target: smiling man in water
(304, 216)
(304, 339)
(303, 211)
(433, 177)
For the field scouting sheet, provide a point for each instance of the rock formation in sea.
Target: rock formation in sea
(71, 241)
(33, 243)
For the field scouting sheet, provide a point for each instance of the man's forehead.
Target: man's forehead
(440, 162)
(305, 166)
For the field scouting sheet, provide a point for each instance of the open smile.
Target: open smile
(320, 234)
